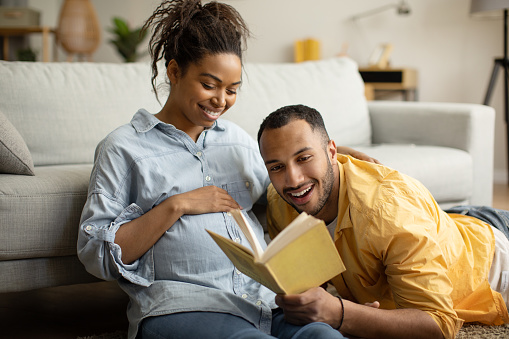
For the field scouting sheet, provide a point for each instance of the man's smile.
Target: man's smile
(301, 195)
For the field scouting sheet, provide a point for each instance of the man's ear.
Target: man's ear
(332, 151)
(173, 71)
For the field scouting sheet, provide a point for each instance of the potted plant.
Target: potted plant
(126, 39)
(26, 54)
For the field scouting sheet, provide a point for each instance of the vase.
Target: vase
(78, 30)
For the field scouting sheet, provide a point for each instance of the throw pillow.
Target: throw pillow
(15, 158)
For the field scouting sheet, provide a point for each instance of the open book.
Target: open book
(302, 256)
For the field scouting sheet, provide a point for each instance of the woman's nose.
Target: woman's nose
(219, 100)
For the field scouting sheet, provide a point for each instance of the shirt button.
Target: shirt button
(228, 214)
(237, 240)
(258, 303)
(198, 154)
(208, 178)
(244, 296)
(237, 271)
(88, 228)
(247, 184)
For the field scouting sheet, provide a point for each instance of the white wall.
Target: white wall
(452, 51)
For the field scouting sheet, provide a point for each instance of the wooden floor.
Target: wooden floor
(85, 310)
(65, 312)
(501, 196)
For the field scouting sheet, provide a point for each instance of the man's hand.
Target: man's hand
(313, 305)
(363, 321)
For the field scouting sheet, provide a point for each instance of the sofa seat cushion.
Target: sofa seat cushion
(332, 86)
(446, 172)
(39, 215)
(42, 272)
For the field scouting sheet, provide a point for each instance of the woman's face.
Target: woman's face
(203, 93)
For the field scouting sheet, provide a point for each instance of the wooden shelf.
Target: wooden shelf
(391, 79)
(7, 32)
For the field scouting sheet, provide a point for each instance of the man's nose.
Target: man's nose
(293, 176)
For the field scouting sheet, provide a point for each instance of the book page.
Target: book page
(243, 259)
(295, 229)
(249, 233)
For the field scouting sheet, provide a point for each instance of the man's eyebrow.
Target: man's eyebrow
(268, 162)
(217, 79)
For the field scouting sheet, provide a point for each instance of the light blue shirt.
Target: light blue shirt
(138, 166)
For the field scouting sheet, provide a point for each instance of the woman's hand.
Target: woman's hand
(208, 199)
(356, 154)
(137, 236)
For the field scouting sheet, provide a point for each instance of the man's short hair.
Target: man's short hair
(284, 115)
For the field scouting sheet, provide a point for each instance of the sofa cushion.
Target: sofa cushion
(39, 215)
(15, 158)
(332, 86)
(446, 172)
(70, 107)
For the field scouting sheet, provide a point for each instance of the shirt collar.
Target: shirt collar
(143, 121)
(343, 201)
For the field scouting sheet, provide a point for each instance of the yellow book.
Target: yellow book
(302, 256)
(312, 49)
(299, 51)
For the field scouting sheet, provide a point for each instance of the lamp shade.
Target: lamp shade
(488, 5)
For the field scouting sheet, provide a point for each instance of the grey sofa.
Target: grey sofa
(52, 115)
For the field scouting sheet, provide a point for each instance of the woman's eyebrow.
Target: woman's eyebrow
(217, 79)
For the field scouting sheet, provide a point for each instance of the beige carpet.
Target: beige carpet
(469, 331)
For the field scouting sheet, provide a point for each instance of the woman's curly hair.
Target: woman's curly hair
(186, 30)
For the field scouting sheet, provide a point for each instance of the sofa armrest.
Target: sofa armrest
(469, 127)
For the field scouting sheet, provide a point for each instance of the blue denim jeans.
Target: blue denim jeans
(495, 217)
(199, 325)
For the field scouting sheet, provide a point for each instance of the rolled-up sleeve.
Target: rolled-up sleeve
(97, 249)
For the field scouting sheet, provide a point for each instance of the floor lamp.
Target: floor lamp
(492, 5)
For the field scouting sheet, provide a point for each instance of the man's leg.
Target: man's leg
(284, 330)
(499, 220)
(499, 272)
(198, 325)
(495, 217)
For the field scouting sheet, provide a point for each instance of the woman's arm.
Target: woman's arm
(139, 235)
(356, 154)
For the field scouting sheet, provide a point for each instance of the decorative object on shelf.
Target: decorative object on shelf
(18, 17)
(78, 29)
(127, 40)
(379, 59)
(402, 8)
(306, 50)
(493, 5)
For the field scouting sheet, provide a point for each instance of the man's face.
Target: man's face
(301, 170)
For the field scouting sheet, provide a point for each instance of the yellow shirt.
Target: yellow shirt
(401, 249)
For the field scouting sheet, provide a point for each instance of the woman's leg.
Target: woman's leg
(198, 325)
(284, 330)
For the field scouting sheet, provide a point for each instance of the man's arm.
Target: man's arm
(363, 321)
